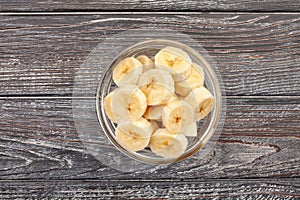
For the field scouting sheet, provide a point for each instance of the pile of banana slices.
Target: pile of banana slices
(158, 102)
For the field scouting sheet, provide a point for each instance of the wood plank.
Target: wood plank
(150, 5)
(257, 54)
(39, 140)
(147, 189)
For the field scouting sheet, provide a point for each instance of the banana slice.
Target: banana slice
(128, 103)
(201, 101)
(127, 71)
(154, 125)
(134, 135)
(175, 60)
(108, 106)
(173, 98)
(146, 62)
(177, 116)
(153, 112)
(191, 130)
(157, 85)
(194, 80)
(165, 144)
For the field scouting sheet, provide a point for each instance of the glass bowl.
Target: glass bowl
(206, 126)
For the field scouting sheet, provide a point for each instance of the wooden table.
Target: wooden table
(256, 46)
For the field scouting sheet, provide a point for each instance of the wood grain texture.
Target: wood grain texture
(208, 189)
(257, 54)
(149, 5)
(260, 139)
(257, 155)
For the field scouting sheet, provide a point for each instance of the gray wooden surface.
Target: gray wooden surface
(39, 141)
(257, 54)
(150, 5)
(256, 157)
(195, 189)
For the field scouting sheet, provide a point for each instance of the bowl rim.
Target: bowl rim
(107, 126)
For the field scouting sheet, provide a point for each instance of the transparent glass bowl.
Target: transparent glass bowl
(206, 126)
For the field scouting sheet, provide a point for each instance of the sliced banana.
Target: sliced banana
(153, 112)
(191, 130)
(168, 145)
(154, 125)
(157, 85)
(127, 71)
(108, 107)
(194, 80)
(201, 101)
(165, 91)
(134, 135)
(175, 60)
(177, 116)
(128, 103)
(146, 62)
(173, 98)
